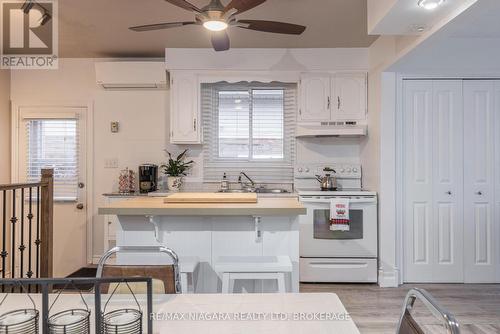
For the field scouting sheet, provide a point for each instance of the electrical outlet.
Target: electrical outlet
(111, 163)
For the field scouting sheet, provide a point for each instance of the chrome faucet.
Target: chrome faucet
(240, 181)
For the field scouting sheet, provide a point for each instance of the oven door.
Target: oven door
(316, 239)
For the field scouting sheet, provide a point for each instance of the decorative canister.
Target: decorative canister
(126, 182)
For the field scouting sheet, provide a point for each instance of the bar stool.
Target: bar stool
(252, 268)
(188, 265)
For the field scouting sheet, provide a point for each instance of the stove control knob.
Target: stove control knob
(342, 170)
(355, 170)
(299, 170)
(349, 170)
(307, 170)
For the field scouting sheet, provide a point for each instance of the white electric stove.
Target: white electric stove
(336, 256)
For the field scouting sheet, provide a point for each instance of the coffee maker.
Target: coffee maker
(148, 178)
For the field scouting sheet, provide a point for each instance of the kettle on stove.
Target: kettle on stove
(328, 181)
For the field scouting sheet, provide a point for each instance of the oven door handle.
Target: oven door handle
(353, 200)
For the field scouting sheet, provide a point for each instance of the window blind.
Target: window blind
(249, 127)
(53, 143)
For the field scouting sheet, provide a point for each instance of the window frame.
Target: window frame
(216, 125)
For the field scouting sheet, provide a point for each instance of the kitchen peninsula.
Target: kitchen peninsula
(268, 227)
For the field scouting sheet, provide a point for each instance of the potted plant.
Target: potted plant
(175, 169)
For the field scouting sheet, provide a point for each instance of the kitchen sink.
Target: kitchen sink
(271, 191)
(235, 191)
(258, 190)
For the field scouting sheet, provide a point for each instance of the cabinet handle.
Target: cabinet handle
(338, 102)
(194, 124)
(328, 103)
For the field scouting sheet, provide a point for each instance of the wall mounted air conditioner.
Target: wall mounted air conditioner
(127, 75)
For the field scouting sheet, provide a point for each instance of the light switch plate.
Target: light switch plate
(115, 126)
(111, 163)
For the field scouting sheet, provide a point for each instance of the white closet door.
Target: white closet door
(480, 242)
(447, 216)
(419, 250)
(434, 174)
(497, 177)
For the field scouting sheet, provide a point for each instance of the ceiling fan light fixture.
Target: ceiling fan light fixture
(215, 25)
(430, 4)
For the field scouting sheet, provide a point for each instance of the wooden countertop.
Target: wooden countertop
(155, 206)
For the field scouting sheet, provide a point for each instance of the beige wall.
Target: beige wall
(4, 126)
(381, 53)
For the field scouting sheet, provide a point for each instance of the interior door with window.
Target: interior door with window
(54, 137)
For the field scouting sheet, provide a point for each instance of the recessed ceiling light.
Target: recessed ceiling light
(418, 28)
(215, 25)
(430, 4)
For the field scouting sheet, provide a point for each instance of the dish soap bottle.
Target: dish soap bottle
(224, 183)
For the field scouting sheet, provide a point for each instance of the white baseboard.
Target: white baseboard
(388, 279)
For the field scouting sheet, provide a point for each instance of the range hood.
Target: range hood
(331, 129)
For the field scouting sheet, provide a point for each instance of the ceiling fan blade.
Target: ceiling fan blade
(160, 26)
(243, 5)
(272, 26)
(185, 5)
(220, 41)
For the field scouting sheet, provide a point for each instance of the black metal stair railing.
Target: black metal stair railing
(27, 217)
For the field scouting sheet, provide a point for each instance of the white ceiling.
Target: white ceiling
(467, 46)
(404, 17)
(98, 28)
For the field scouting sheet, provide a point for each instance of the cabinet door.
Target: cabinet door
(184, 113)
(314, 98)
(434, 174)
(481, 259)
(349, 97)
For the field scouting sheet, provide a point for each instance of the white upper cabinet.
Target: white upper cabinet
(315, 98)
(349, 98)
(330, 98)
(184, 108)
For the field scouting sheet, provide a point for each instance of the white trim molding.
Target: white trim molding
(389, 236)
(388, 278)
(273, 60)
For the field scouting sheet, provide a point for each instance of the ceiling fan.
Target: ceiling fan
(217, 18)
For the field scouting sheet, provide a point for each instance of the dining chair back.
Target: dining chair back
(167, 275)
(408, 324)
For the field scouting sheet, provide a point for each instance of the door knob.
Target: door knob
(81, 185)
(448, 192)
(479, 193)
(79, 206)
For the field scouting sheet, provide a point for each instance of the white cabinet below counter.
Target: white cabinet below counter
(111, 221)
(340, 97)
